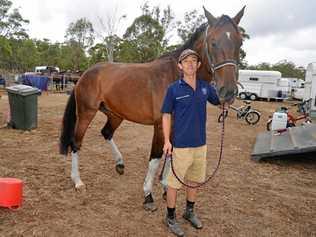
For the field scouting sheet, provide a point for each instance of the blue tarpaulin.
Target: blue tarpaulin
(38, 81)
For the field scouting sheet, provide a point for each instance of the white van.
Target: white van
(263, 84)
(47, 69)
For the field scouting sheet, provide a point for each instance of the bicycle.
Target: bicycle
(291, 119)
(250, 115)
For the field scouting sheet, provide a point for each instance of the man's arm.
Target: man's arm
(166, 128)
(212, 96)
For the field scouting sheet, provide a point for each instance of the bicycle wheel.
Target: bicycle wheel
(252, 117)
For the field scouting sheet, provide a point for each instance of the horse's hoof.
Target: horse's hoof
(150, 206)
(79, 186)
(119, 169)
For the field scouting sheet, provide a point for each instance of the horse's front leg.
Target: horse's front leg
(155, 157)
(149, 204)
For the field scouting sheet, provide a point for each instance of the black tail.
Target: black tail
(68, 126)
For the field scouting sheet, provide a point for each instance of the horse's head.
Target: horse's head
(220, 52)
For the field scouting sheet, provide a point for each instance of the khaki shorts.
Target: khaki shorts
(189, 165)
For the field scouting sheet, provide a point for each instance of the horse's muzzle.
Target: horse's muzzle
(227, 94)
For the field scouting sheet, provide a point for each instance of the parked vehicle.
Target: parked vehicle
(46, 69)
(263, 84)
(283, 119)
(251, 116)
(310, 88)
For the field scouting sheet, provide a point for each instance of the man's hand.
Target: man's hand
(167, 148)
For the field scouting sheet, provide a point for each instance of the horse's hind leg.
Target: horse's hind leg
(107, 131)
(84, 119)
(156, 153)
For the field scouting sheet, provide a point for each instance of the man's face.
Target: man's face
(189, 65)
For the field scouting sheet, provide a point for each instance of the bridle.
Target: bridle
(213, 67)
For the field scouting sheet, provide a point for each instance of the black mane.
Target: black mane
(188, 44)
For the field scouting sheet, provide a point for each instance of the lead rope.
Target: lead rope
(217, 166)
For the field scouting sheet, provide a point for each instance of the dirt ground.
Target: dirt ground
(246, 198)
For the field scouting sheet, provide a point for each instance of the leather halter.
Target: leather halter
(215, 66)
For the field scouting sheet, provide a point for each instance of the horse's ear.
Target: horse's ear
(239, 15)
(210, 18)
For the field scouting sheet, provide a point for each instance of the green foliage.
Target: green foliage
(145, 35)
(11, 21)
(79, 36)
(97, 53)
(145, 39)
(242, 56)
(165, 17)
(81, 32)
(287, 69)
(192, 20)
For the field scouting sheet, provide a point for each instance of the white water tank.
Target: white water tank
(279, 121)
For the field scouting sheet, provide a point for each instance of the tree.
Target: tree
(242, 56)
(287, 69)
(79, 36)
(192, 20)
(147, 38)
(260, 66)
(11, 22)
(97, 53)
(165, 17)
(5, 52)
(81, 32)
(49, 54)
(145, 35)
(108, 33)
(26, 48)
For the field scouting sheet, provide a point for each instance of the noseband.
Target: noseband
(213, 67)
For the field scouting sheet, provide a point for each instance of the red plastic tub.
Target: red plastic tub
(11, 190)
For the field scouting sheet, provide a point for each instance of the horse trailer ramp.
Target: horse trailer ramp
(295, 140)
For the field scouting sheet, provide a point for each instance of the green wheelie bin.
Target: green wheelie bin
(23, 106)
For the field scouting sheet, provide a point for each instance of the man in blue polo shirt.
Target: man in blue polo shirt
(185, 102)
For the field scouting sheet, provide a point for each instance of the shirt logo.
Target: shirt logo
(181, 97)
(204, 91)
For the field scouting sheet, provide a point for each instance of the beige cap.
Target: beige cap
(187, 52)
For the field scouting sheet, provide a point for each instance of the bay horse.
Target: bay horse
(135, 91)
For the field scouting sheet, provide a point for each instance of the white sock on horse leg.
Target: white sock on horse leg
(75, 176)
(115, 152)
(152, 170)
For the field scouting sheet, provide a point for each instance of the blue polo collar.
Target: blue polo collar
(183, 83)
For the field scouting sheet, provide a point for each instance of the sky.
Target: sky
(278, 29)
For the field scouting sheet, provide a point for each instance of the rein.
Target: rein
(214, 172)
